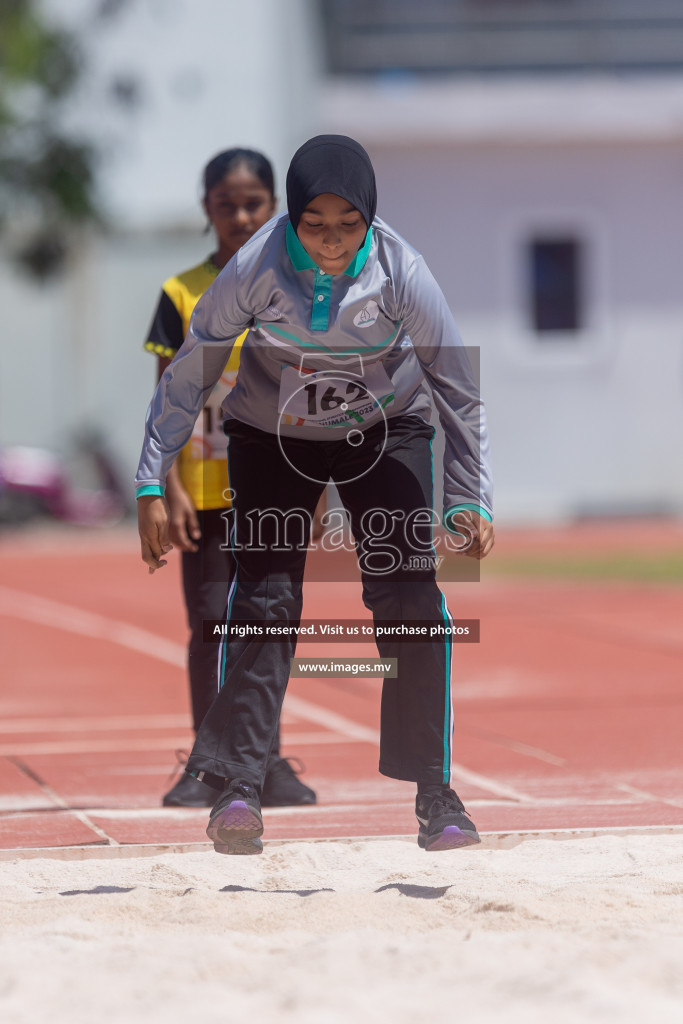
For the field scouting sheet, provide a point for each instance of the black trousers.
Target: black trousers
(207, 575)
(383, 479)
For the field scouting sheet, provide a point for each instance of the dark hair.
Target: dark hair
(223, 163)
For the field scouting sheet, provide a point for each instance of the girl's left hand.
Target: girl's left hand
(478, 533)
(153, 519)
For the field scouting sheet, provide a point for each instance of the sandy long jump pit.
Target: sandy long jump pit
(587, 928)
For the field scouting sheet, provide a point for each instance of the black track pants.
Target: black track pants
(207, 576)
(386, 478)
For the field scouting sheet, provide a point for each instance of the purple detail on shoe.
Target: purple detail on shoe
(450, 839)
(237, 816)
(236, 829)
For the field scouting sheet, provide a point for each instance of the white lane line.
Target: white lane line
(62, 804)
(46, 612)
(21, 605)
(313, 739)
(104, 746)
(535, 752)
(648, 797)
(520, 748)
(187, 813)
(353, 730)
(490, 785)
(100, 723)
(331, 720)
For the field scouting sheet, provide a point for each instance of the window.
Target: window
(555, 292)
(553, 296)
(501, 36)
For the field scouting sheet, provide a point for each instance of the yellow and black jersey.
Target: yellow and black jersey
(202, 463)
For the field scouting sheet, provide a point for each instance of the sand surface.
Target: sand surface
(580, 929)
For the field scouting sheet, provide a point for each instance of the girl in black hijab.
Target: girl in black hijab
(350, 332)
(331, 164)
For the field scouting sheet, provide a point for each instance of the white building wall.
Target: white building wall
(214, 74)
(72, 360)
(593, 422)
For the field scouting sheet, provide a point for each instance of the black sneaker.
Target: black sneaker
(235, 825)
(282, 788)
(190, 792)
(444, 824)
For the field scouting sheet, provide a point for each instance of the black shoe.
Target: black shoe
(282, 788)
(444, 824)
(190, 792)
(235, 825)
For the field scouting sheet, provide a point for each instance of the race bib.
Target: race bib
(329, 398)
(208, 440)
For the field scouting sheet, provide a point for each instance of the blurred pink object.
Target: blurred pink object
(34, 482)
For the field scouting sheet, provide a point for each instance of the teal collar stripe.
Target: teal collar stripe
(296, 252)
(322, 282)
(302, 261)
(360, 259)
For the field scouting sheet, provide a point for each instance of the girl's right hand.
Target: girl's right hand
(153, 522)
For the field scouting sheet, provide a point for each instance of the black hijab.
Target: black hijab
(331, 163)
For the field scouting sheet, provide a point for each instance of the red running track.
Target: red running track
(568, 714)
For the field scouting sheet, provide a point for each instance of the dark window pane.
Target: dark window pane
(555, 285)
(502, 36)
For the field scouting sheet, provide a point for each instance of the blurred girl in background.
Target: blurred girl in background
(239, 198)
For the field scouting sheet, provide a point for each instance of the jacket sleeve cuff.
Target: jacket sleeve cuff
(454, 509)
(149, 489)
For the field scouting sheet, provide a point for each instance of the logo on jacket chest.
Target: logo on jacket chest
(368, 315)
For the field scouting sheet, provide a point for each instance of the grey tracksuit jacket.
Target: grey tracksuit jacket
(325, 353)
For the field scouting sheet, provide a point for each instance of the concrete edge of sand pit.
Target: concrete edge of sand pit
(490, 841)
